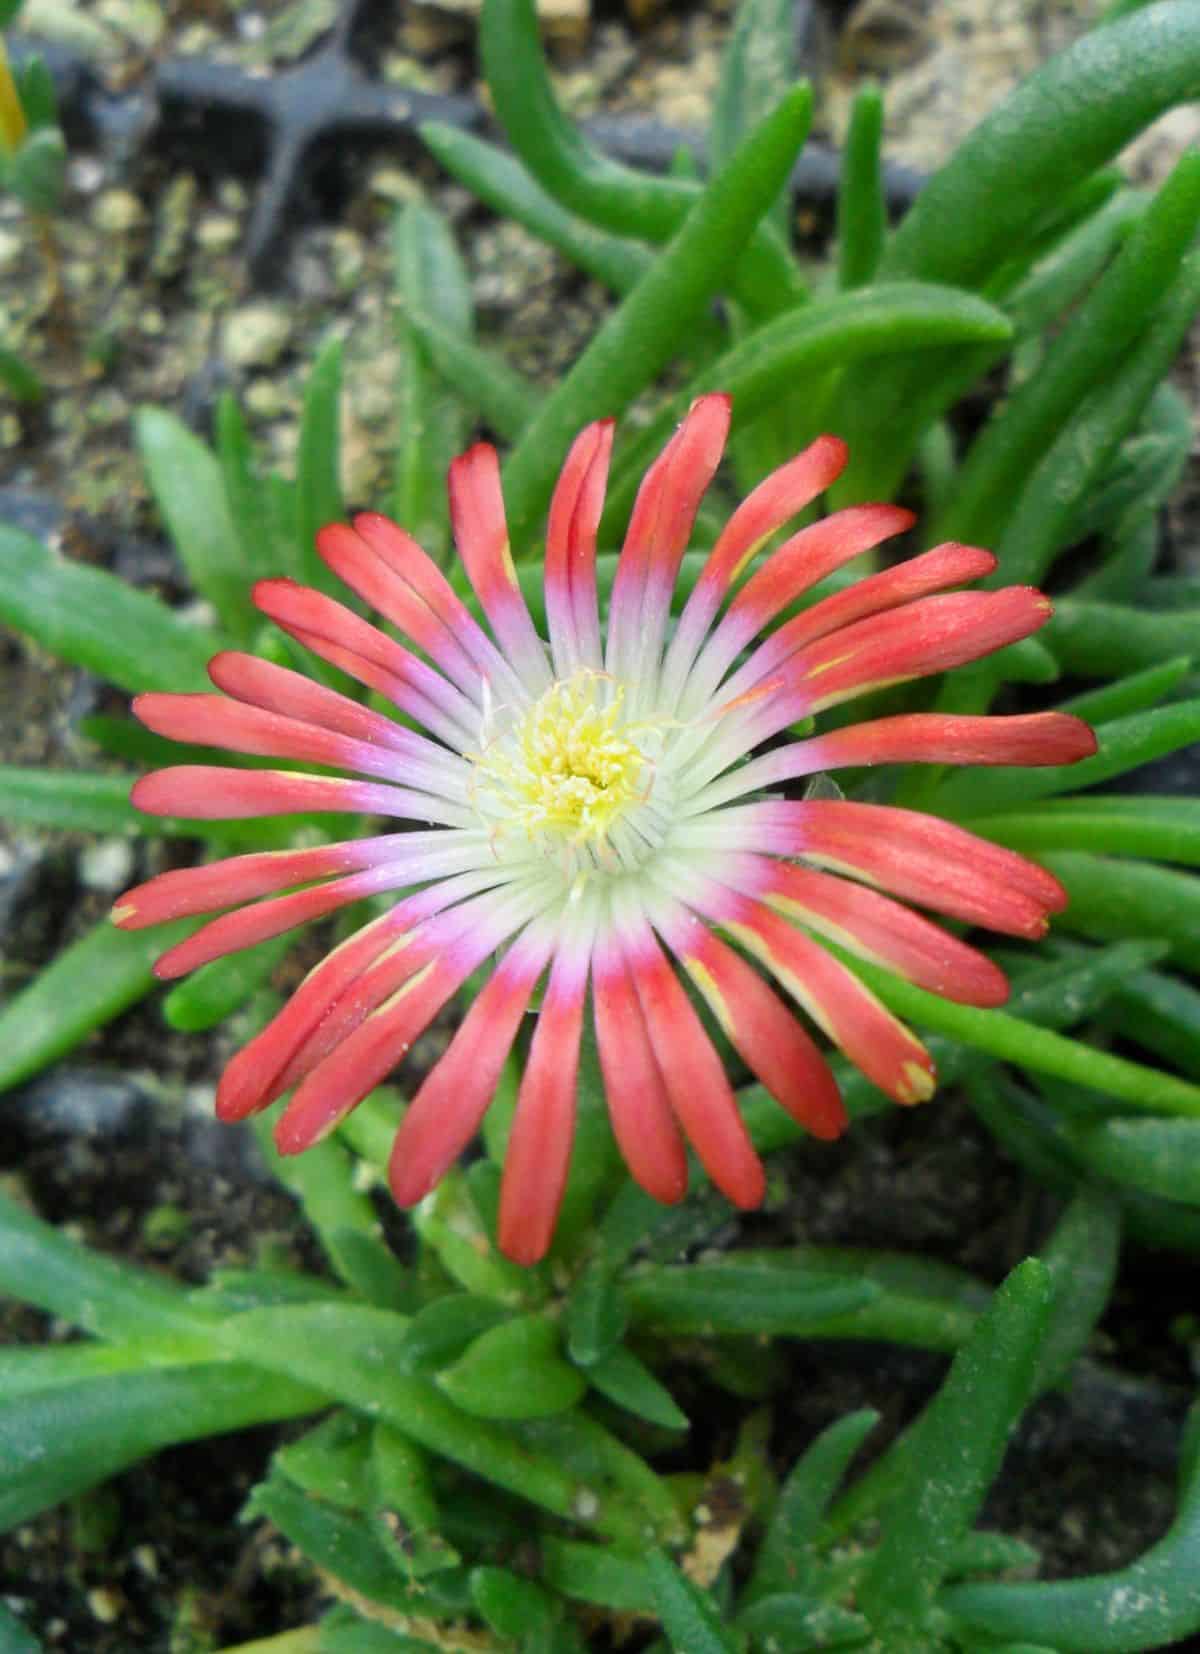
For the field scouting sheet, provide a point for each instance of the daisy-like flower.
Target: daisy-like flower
(605, 811)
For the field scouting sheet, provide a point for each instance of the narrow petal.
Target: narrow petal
(638, 1106)
(697, 1086)
(258, 923)
(481, 535)
(213, 792)
(369, 1051)
(876, 1043)
(760, 1027)
(485, 922)
(204, 719)
(262, 683)
(250, 925)
(911, 855)
(401, 553)
(774, 502)
(252, 1079)
(878, 928)
(188, 890)
(543, 1129)
(572, 609)
(446, 1111)
(338, 635)
(354, 563)
(912, 738)
(799, 563)
(659, 529)
(916, 641)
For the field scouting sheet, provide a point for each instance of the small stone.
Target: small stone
(172, 223)
(116, 212)
(109, 864)
(105, 1604)
(218, 232)
(392, 184)
(145, 1557)
(139, 21)
(256, 335)
(81, 1102)
(264, 399)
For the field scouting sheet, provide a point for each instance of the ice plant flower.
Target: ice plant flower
(604, 810)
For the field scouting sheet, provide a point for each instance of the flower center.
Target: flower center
(569, 765)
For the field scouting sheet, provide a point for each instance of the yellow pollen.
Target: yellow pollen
(569, 766)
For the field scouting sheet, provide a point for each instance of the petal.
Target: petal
(337, 634)
(205, 719)
(697, 1086)
(763, 1031)
(659, 529)
(364, 1056)
(401, 553)
(877, 928)
(258, 923)
(262, 683)
(876, 1043)
(915, 641)
(800, 562)
(638, 1106)
(907, 853)
(188, 890)
(572, 610)
(539, 1146)
(356, 564)
(446, 1111)
(776, 499)
(253, 1078)
(212, 792)
(912, 738)
(481, 535)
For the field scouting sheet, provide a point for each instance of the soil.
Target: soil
(116, 1142)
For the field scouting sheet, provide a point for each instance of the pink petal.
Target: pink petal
(914, 856)
(878, 928)
(776, 499)
(212, 792)
(762, 1030)
(539, 1146)
(638, 1106)
(249, 925)
(572, 611)
(446, 1112)
(253, 1078)
(365, 1053)
(886, 1052)
(189, 890)
(931, 635)
(481, 534)
(699, 1092)
(939, 738)
(405, 558)
(659, 529)
(353, 561)
(278, 689)
(799, 563)
(204, 719)
(337, 634)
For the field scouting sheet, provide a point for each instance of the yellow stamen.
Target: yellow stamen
(13, 125)
(569, 766)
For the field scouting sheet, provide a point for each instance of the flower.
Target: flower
(596, 810)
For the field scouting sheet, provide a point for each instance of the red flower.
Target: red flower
(594, 808)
